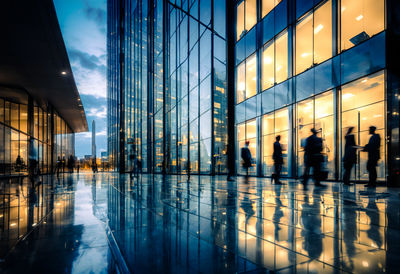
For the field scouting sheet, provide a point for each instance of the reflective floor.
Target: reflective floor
(168, 224)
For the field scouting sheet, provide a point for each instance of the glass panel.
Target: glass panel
(268, 64)
(14, 116)
(205, 155)
(23, 114)
(281, 120)
(268, 124)
(251, 76)
(281, 48)
(205, 125)
(251, 129)
(267, 6)
(323, 33)
(304, 44)
(239, 20)
(241, 131)
(251, 13)
(1, 110)
(360, 20)
(364, 91)
(324, 105)
(240, 82)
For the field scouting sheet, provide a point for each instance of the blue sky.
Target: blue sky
(83, 25)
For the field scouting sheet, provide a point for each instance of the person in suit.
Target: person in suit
(313, 158)
(278, 161)
(350, 156)
(246, 158)
(373, 149)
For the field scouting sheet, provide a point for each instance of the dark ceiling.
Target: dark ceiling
(33, 58)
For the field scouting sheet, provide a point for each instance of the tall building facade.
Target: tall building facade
(167, 98)
(191, 81)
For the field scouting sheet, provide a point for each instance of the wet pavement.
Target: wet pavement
(98, 223)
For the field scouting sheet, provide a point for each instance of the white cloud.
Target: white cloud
(97, 112)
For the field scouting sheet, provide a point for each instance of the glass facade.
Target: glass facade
(311, 70)
(168, 106)
(23, 121)
(297, 65)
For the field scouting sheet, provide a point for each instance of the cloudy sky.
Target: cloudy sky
(83, 25)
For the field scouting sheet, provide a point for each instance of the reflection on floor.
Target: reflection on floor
(168, 224)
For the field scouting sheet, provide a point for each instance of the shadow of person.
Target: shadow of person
(311, 220)
(247, 205)
(373, 214)
(278, 214)
(349, 224)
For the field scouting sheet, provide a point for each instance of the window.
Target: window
(317, 113)
(274, 124)
(323, 33)
(362, 107)
(251, 76)
(246, 17)
(275, 61)
(247, 131)
(360, 20)
(314, 37)
(246, 79)
(268, 5)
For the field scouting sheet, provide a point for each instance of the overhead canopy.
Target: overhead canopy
(33, 58)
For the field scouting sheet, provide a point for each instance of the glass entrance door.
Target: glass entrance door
(363, 105)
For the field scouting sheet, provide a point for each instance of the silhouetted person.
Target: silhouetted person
(313, 158)
(77, 166)
(350, 156)
(372, 148)
(58, 165)
(278, 161)
(33, 168)
(71, 163)
(94, 166)
(188, 169)
(18, 163)
(246, 158)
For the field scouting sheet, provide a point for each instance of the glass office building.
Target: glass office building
(167, 97)
(277, 67)
(40, 107)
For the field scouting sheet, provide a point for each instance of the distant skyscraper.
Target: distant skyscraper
(94, 139)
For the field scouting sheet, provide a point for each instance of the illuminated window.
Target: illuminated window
(247, 131)
(240, 20)
(316, 113)
(241, 82)
(268, 66)
(274, 124)
(246, 79)
(251, 76)
(268, 5)
(323, 33)
(246, 17)
(304, 44)
(275, 61)
(363, 106)
(281, 62)
(314, 37)
(360, 20)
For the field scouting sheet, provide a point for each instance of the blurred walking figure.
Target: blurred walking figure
(33, 167)
(372, 148)
(313, 158)
(94, 165)
(247, 159)
(350, 156)
(58, 165)
(71, 163)
(278, 161)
